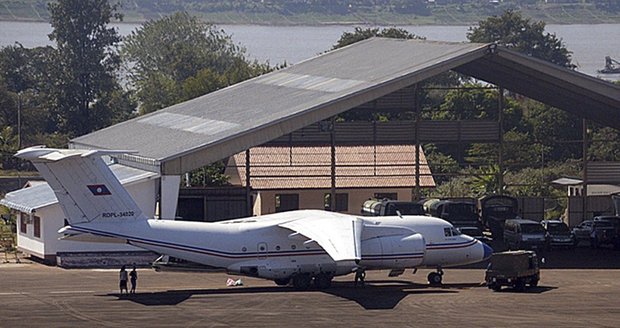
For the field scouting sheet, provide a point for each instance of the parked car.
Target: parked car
(600, 232)
(558, 234)
(524, 234)
(615, 221)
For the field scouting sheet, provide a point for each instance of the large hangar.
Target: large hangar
(197, 132)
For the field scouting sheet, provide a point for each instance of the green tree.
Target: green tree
(521, 34)
(551, 126)
(360, 34)
(87, 61)
(178, 57)
(26, 76)
(8, 147)
(605, 145)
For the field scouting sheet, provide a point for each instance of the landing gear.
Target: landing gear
(323, 280)
(434, 278)
(283, 281)
(301, 281)
(360, 276)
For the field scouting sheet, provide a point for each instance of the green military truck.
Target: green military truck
(515, 268)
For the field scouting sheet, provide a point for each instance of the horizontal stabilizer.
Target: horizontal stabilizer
(71, 235)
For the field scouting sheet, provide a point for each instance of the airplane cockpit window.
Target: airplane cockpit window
(452, 231)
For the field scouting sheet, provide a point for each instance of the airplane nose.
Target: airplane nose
(488, 251)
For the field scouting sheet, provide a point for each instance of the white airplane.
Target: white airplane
(302, 247)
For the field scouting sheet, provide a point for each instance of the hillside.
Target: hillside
(321, 12)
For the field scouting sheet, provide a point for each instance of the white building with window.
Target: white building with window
(39, 217)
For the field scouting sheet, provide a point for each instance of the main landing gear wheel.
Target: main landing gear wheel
(283, 281)
(323, 281)
(434, 278)
(302, 281)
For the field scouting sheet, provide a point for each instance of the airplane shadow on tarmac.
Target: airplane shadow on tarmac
(375, 295)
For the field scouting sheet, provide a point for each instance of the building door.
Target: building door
(287, 202)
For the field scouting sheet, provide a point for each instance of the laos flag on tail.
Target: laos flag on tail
(99, 190)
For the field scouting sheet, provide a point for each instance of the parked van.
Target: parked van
(524, 234)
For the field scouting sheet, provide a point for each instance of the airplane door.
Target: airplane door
(262, 250)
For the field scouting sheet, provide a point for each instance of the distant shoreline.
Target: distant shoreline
(333, 23)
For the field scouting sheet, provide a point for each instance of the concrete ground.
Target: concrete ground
(35, 295)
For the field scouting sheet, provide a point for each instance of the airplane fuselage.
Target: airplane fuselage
(259, 247)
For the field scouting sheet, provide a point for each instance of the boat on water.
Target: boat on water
(612, 66)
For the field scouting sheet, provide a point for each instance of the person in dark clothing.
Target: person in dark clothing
(133, 276)
(123, 280)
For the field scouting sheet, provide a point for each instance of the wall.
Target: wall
(314, 198)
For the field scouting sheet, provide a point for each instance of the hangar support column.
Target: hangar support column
(168, 196)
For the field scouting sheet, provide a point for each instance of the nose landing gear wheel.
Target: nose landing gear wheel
(434, 278)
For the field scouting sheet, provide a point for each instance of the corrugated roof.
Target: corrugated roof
(40, 195)
(250, 113)
(310, 167)
(217, 125)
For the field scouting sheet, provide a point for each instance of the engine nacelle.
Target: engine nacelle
(399, 251)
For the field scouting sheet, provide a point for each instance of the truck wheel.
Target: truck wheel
(496, 287)
(520, 285)
(534, 282)
(593, 243)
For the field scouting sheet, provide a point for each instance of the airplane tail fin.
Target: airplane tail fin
(86, 188)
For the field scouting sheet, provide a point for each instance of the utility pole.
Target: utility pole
(19, 120)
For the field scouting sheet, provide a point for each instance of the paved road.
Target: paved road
(34, 295)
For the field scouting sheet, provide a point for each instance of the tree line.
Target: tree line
(90, 80)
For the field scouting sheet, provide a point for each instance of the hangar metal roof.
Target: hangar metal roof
(194, 133)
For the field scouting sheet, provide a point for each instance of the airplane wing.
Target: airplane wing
(339, 236)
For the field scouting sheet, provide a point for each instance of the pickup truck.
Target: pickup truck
(514, 268)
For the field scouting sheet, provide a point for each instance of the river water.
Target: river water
(292, 44)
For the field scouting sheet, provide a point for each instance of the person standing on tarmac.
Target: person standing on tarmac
(133, 275)
(123, 280)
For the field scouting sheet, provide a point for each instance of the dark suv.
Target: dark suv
(615, 221)
(599, 232)
(558, 234)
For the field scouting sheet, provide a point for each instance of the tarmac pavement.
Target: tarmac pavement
(35, 295)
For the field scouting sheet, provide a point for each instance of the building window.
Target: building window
(342, 202)
(386, 195)
(23, 217)
(37, 226)
(287, 202)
